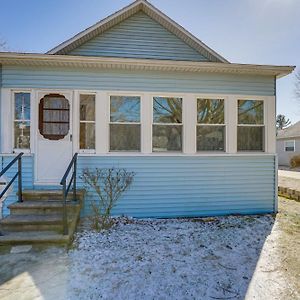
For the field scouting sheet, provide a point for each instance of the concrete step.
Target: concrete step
(39, 207)
(32, 223)
(33, 237)
(49, 195)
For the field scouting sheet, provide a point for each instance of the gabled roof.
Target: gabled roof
(128, 11)
(292, 131)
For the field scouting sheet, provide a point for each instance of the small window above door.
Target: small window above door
(54, 116)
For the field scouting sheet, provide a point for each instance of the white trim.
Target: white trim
(189, 117)
(30, 59)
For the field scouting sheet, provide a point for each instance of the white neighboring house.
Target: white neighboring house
(288, 144)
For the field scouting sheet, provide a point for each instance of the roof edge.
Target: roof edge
(32, 59)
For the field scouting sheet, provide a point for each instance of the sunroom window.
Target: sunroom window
(22, 120)
(87, 122)
(210, 125)
(167, 124)
(250, 131)
(125, 123)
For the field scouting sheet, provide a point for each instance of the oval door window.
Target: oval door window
(54, 117)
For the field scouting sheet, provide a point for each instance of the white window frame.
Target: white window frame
(294, 146)
(213, 125)
(14, 149)
(169, 95)
(86, 151)
(120, 94)
(263, 125)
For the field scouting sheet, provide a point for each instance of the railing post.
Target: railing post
(65, 221)
(74, 178)
(20, 197)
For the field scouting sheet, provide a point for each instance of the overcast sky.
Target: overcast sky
(243, 31)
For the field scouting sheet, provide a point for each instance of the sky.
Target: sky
(242, 31)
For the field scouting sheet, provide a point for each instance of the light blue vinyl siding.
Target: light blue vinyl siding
(191, 186)
(166, 186)
(144, 81)
(139, 37)
(27, 177)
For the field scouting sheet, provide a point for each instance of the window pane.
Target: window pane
(167, 138)
(210, 138)
(22, 106)
(210, 111)
(87, 107)
(250, 138)
(124, 109)
(167, 110)
(125, 137)
(289, 146)
(54, 117)
(250, 112)
(22, 135)
(87, 136)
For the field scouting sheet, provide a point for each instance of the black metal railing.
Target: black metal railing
(66, 188)
(18, 174)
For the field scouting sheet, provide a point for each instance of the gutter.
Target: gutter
(32, 59)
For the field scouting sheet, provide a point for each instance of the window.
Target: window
(289, 146)
(210, 125)
(250, 131)
(167, 124)
(22, 120)
(125, 126)
(54, 117)
(87, 122)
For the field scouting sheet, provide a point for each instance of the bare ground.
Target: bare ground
(46, 273)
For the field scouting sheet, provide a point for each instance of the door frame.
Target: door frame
(69, 94)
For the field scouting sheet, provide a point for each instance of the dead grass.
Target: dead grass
(289, 239)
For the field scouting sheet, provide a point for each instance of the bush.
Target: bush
(295, 161)
(108, 184)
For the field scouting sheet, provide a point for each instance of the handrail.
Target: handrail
(18, 174)
(66, 188)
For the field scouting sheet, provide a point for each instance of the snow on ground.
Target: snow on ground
(212, 258)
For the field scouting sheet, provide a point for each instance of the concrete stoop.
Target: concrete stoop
(39, 218)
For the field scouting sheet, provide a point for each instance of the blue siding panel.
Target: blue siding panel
(27, 176)
(144, 81)
(139, 37)
(191, 186)
(179, 186)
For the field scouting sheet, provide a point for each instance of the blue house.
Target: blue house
(138, 91)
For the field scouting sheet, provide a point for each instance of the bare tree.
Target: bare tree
(282, 122)
(3, 45)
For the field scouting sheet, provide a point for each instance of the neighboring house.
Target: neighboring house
(288, 144)
(137, 91)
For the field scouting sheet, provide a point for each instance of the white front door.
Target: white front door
(54, 137)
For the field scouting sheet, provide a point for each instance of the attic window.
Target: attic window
(54, 117)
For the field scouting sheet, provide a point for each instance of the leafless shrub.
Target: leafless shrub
(108, 184)
(295, 161)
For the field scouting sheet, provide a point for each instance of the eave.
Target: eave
(87, 62)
